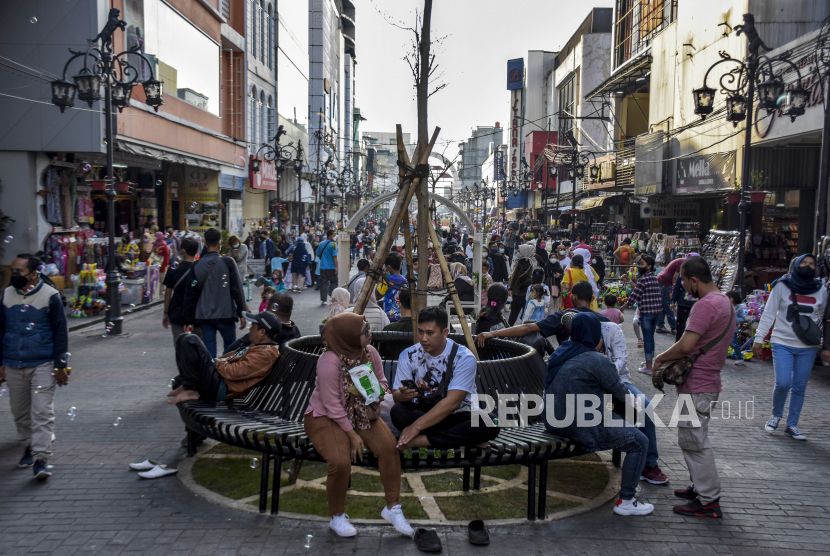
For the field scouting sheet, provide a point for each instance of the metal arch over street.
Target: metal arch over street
(365, 209)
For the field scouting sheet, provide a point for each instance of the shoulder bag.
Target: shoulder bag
(676, 372)
(804, 327)
(427, 401)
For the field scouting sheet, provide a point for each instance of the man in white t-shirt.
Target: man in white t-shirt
(437, 366)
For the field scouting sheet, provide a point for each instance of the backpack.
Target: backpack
(625, 256)
(193, 292)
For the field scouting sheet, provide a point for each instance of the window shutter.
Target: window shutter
(271, 42)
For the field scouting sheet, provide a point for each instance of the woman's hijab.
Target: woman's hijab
(358, 287)
(146, 246)
(340, 298)
(801, 284)
(586, 334)
(526, 251)
(159, 241)
(342, 333)
(458, 270)
(586, 267)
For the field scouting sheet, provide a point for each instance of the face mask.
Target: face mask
(554, 260)
(501, 250)
(643, 269)
(805, 272)
(18, 281)
(562, 253)
(542, 245)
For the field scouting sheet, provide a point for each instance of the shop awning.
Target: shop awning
(593, 202)
(169, 155)
(625, 78)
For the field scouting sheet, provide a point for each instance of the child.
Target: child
(740, 315)
(279, 283)
(267, 292)
(613, 314)
(278, 262)
(535, 307)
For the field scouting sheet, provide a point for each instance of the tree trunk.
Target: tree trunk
(423, 135)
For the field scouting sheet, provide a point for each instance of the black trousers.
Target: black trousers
(196, 369)
(681, 317)
(455, 430)
(328, 282)
(517, 303)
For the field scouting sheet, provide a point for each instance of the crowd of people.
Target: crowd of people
(542, 292)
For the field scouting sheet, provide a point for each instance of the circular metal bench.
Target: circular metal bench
(269, 418)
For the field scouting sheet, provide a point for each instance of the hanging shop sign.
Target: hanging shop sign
(709, 172)
(670, 210)
(515, 74)
(266, 178)
(235, 220)
(498, 166)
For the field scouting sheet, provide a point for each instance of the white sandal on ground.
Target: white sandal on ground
(145, 465)
(157, 472)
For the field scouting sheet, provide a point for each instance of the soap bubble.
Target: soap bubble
(174, 265)
(128, 262)
(158, 182)
(110, 325)
(30, 326)
(224, 284)
(240, 161)
(145, 240)
(117, 422)
(275, 306)
(9, 239)
(33, 20)
(23, 308)
(254, 463)
(194, 204)
(308, 539)
(71, 411)
(86, 167)
(143, 353)
(2, 391)
(172, 383)
(194, 283)
(38, 389)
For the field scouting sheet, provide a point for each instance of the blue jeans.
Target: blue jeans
(226, 329)
(648, 323)
(739, 355)
(635, 459)
(665, 292)
(792, 371)
(648, 429)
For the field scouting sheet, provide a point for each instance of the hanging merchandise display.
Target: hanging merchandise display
(599, 238)
(688, 238)
(720, 249)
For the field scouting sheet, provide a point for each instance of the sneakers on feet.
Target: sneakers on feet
(27, 460)
(661, 330)
(794, 433)
(687, 494)
(340, 525)
(632, 507)
(643, 369)
(654, 475)
(398, 521)
(41, 471)
(739, 363)
(699, 509)
(772, 424)
(322, 303)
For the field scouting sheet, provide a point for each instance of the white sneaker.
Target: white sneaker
(398, 521)
(340, 525)
(632, 507)
(772, 424)
(645, 370)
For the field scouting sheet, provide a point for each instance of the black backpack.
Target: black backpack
(193, 292)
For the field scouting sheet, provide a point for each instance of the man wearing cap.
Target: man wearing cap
(233, 374)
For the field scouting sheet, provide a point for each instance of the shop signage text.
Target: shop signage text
(515, 74)
(515, 131)
(709, 172)
(670, 210)
(266, 178)
(498, 165)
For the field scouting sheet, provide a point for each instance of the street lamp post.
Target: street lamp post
(118, 76)
(753, 76)
(281, 155)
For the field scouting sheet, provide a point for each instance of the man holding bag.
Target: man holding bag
(435, 390)
(711, 318)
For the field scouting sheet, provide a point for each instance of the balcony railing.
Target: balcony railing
(638, 21)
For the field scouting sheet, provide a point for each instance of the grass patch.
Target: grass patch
(450, 482)
(577, 479)
(310, 470)
(504, 504)
(232, 450)
(231, 477)
(313, 502)
(505, 472)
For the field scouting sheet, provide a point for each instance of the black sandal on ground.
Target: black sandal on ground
(427, 540)
(478, 533)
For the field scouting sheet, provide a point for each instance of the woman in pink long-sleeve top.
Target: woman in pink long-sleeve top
(338, 422)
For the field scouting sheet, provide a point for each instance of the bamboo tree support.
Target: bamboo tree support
(395, 218)
(445, 269)
(410, 273)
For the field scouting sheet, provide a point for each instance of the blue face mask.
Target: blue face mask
(501, 250)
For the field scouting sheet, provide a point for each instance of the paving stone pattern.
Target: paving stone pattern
(775, 490)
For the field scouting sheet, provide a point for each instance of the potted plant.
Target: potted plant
(759, 180)
(735, 195)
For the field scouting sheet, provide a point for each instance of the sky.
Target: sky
(480, 36)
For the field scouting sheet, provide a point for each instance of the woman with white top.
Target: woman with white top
(792, 359)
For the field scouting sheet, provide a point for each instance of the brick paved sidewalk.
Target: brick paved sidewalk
(775, 497)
